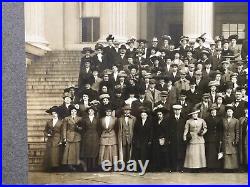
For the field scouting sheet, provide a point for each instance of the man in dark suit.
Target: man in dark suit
(201, 84)
(186, 106)
(154, 46)
(190, 73)
(177, 145)
(121, 59)
(140, 102)
(193, 96)
(174, 75)
(109, 51)
(85, 75)
(239, 105)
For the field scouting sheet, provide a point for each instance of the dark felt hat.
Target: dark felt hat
(110, 37)
(54, 109)
(234, 36)
(86, 49)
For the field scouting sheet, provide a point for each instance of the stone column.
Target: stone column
(198, 19)
(34, 23)
(113, 20)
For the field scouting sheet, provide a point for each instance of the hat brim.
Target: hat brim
(195, 112)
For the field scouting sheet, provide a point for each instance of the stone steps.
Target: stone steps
(46, 79)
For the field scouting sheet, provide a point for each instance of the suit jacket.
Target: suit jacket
(84, 77)
(97, 64)
(55, 133)
(65, 112)
(182, 85)
(207, 76)
(108, 135)
(226, 77)
(239, 110)
(153, 98)
(96, 85)
(204, 111)
(198, 50)
(174, 79)
(194, 127)
(172, 96)
(193, 97)
(202, 86)
(110, 52)
(125, 134)
(161, 88)
(230, 135)
(72, 128)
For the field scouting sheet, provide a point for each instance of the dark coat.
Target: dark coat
(109, 52)
(243, 144)
(64, 111)
(137, 104)
(142, 139)
(212, 141)
(90, 138)
(161, 152)
(193, 97)
(239, 110)
(53, 153)
(177, 145)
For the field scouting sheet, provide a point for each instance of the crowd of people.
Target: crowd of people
(182, 107)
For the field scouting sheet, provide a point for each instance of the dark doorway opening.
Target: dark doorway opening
(176, 31)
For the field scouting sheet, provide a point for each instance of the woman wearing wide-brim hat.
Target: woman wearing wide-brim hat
(230, 139)
(213, 139)
(71, 129)
(90, 138)
(52, 132)
(195, 158)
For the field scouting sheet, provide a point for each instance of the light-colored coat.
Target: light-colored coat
(124, 139)
(152, 98)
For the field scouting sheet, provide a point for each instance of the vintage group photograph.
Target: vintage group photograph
(137, 92)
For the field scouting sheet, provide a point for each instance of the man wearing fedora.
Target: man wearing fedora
(125, 134)
(204, 106)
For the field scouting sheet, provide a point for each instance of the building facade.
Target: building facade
(72, 25)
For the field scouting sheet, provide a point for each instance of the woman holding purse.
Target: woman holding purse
(195, 158)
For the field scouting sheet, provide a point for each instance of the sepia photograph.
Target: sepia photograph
(137, 92)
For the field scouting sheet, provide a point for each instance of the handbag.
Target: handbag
(220, 154)
(188, 136)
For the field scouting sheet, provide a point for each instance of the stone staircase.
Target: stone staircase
(46, 79)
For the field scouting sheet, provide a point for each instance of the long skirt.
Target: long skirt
(52, 156)
(195, 156)
(71, 155)
(108, 152)
(212, 155)
(231, 161)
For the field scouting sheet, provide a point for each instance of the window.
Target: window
(230, 29)
(90, 29)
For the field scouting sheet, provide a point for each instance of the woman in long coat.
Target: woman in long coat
(161, 141)
(213, 139)
(53, 146)
(90, 139)
(243, 149)
(230, 139)
(195, 153)
(108, 139)
(72, 138)
(143, 136)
